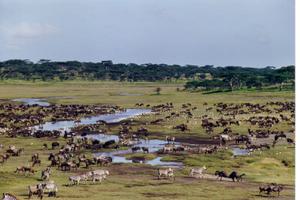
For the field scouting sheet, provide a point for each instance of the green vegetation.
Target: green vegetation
(137, 181)
(237, 78)
(208, 77)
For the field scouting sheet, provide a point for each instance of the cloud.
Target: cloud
(29, 30)
(24, 33)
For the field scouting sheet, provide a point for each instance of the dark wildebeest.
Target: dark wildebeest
(273, 187)
(109, 143)
(45, 146)
(220, 175)
(36, 162)
(145, 149)
(35, 190)
(234, 176)
(94, 142)
(290, 141)
(54, 145)
(135, 149)
(25, 169)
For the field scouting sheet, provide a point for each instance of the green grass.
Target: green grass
(135, 181)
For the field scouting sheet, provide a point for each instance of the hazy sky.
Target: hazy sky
(254, 33)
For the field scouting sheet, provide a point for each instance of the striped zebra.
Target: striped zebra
(7, 196)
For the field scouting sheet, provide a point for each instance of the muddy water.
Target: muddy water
(32, 101)
(152, 145)
(239, 152)
(109, 118)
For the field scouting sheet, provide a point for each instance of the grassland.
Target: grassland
(135, 181)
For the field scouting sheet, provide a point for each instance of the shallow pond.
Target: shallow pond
(109, 118)
(239, 152)
(33, 101)
(153, 145)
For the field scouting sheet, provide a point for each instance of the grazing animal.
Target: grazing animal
(100, 172)
(198, 172)
(109, 143)
(145, 149)
(50, 187)
(35, 190)
(4, 158)
(75, 180)
(96, 177)
(290, 141)
(45, 175)
(23, 169)
(45, 146)
(281, 135)
(8, 196)
(234, 176)
(273, 187)
(220, 175)
(103, 160)
(167, 173)
(168, 148)
(170, 139)
(34, 157)
(54, 145)
(36, 162)
(135, 149)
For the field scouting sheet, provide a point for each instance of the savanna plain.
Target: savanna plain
(182, 114)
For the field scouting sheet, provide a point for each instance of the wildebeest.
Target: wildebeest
(103, 160)
(242, 138)
(35, 190)
(45, 146)
(24, 169)
(67, 166)
(135, 149)
(281, 135)
(45, 174)
(109, 143)
(54, 145)
(167, 173)
(34, 157)
(14, 151)
(36, 162)
(290, 141)
(273, 187)
(4, 158)
(168, 148)
(233, 175)
(89, 162)
(145, 149)
(221, 174)
(170, 139)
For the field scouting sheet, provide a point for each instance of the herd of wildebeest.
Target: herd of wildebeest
(18, 120)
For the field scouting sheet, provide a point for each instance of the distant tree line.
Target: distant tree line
(235, 78)
(207, 77)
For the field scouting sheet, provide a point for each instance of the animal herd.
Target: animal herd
(68, 157)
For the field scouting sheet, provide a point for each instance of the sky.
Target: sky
(250, 33)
